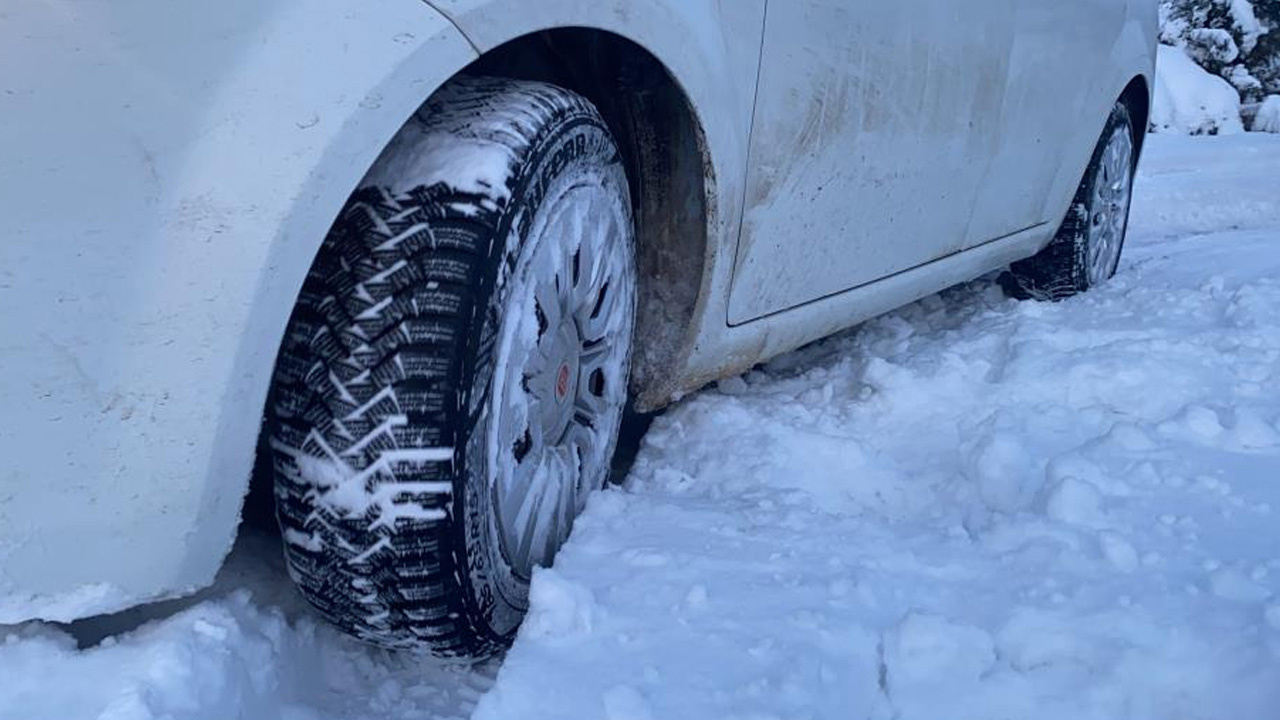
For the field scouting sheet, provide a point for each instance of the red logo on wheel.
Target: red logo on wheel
(562, 382)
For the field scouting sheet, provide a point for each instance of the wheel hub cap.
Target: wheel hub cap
(560, 379)
(1112, 191)
(562, 383)
(554, 384)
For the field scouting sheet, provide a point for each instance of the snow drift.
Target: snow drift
(1189, 100)
(1268, 117)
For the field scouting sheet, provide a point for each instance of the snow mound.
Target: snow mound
(1268, 117)
(560, 609)
(246, 648)
(971, 507)
(1191, 101)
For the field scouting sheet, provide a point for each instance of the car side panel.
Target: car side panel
(728, 350)
(169, 172)
(874, 125)
(1060, 53)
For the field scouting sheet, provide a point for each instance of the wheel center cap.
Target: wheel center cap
(558, 382)
(562, 382)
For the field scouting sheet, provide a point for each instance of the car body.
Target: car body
(168, 172)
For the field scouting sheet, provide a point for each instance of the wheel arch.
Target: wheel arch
(672, 177)
(664, 150)
(711, 53)
(1137, 98)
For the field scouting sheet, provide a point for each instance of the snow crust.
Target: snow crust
(969, 508)
(1191, 101)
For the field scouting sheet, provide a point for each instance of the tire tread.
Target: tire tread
(378, 335)
(1059, 270)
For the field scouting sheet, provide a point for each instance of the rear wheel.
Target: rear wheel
(453, 378)
(1086, 250)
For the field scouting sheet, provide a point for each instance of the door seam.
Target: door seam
(746, 171)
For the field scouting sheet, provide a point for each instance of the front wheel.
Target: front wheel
(454, 376)
(1086, 250)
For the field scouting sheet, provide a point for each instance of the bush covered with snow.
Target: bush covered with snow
(1268, 117)
(1236, 40)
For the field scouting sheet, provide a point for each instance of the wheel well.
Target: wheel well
(1137, 98)
(664, 154)
(663, 150)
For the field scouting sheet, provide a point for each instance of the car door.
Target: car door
(873, 129)
(1059, 51)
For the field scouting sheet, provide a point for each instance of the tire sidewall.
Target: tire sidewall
(575, 147)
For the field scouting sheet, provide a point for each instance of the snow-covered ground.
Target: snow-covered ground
(970, 508)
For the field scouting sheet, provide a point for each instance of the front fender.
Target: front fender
(170, 170)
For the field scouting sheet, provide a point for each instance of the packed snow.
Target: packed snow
(969, 508)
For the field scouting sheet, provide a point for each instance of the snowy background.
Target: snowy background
(1219, 67)
(969, 508)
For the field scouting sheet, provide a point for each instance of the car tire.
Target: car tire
(1086, 250)
(454, 374)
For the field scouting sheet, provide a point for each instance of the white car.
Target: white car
(423, 254)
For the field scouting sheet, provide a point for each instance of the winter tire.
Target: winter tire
(1086, 250)
(454, 374)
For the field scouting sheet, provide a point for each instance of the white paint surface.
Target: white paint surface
(870, 142)
(891, 135)
(169, 171)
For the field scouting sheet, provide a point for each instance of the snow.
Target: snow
(970, 507)
(345, 492)
(1215, 44)
(246, 648)
(428, 154)
(1246, 23)
(1268, 117)
(1190, 101)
